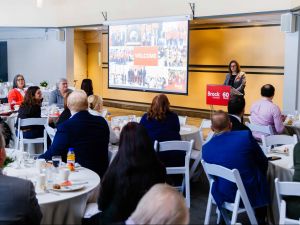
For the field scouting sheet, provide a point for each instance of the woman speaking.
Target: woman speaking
(235, 78)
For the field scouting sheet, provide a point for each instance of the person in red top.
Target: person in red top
(17, 94)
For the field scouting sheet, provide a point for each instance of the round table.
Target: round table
(283, 169)
(62, 207)
(189, 132)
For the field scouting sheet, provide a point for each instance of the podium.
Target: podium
(218, 94)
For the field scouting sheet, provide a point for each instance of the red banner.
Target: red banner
(217, 94)
(145, 56)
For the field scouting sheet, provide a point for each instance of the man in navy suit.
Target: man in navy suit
(238, 150)
(87, 134)
(236, 110)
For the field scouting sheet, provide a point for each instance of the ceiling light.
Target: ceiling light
(39, 3)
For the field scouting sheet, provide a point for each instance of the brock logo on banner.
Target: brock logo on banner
(217, 94)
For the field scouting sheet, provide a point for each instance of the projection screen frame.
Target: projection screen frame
(148, 90)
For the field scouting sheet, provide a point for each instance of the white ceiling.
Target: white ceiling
(61, 13)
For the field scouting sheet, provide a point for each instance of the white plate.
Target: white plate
(69, 188)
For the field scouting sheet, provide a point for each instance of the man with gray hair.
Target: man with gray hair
(57, 96)
(18, 199)
(87, 134)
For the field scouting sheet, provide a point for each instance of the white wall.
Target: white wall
(58, 13)
(36, 54)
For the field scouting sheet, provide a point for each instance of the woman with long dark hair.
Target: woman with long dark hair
(17, 94)
(235, 77)
(31, 108)
(133, 171)
(160, 122)
(87, 86)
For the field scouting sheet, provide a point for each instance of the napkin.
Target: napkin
(284, 149)
(90, 210)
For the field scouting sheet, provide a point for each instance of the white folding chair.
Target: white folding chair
(50, 131)
(196, 155)
(30, 122)
(182, 120)
(265, 129)
(279, 139)
(212, 171)
(205, 124)
(286, 189)
(185, 170)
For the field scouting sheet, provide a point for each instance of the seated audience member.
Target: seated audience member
(293, 202)
(160, 122)
(265, 112)
(57, 96)
(162, 204)
(17, 94)
(95, 108)
(31, 108)
(133, 171)
(66, 114)
(95, 105)
(18, 200)
(238, 150)
(236, 110)
(163, 125)
(87, 134)
(6, 132)
(87, 86)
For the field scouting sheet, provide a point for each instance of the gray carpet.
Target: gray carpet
(199, 195)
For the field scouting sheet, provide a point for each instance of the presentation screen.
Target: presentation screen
(149, 56)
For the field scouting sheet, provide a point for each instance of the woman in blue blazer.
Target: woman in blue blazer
(163, 125)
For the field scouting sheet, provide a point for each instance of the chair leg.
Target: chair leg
(187, 190)
(195, 164)
(218, 215)
(208, 209)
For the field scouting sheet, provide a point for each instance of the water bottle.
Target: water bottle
(71, 159)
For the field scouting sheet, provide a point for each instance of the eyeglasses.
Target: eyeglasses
(20, 79)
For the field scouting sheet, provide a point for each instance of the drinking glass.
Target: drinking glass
(56, 161)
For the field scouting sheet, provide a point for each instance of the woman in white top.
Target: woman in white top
(96, 109)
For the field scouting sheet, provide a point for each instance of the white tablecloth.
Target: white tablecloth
(189, 132)
(283, 169)
(66, 207)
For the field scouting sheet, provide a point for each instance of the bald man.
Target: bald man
(87, 134)
(238, 150)
(18, 200)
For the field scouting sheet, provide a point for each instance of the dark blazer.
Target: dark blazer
(65, 115)
(88, 135)
(237, 125)
(33, 111)
(165, 130)
(19, 205)
(119, 196)
(237, 84)
(238, 150)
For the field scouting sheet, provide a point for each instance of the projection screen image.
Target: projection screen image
(149, 56)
